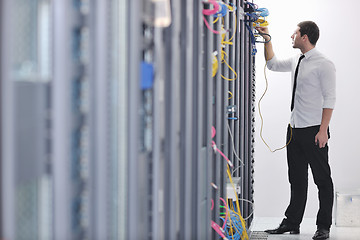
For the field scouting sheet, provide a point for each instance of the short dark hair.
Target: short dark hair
(311, 30)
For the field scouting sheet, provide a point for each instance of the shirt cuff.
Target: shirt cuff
(329, 103)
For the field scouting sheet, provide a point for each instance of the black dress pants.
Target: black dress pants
(301, 153)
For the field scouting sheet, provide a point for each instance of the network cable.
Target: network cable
(260, 114)
(257, 17)
(262, 35)
(233, 144)
(231, 95)
(228, 42)
(233, 224)
(243, 234)
(219, 11)
(216, 149)
(238, 228)
(208, 12)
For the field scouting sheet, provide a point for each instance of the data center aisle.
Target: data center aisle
(307, 230)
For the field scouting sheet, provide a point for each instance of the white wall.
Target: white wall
(339, 23)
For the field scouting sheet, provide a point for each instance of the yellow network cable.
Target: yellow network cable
(260, 114)
(234, 32)
(230, 207)
(223, 60)
(231, 8)
(231, 224)
(244, 232)
(261, 22)
(228, 42)
(215, 64)
(231, 95)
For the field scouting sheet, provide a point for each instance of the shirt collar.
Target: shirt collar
(310, 53)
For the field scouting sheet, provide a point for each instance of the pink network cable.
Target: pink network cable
(219, 230)
(211, 11)
(208, 12)
(213, 144)
(215, 226)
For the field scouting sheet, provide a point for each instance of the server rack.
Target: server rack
(185, 103)
(121, 141)
(25, 172)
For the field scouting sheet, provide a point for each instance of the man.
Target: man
(313, 100)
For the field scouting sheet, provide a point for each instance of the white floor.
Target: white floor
(307, 230)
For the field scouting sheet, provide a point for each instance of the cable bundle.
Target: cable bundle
(219, 11)
(240, 225)
(210, 12)
(234, 226)
(257, 17)
(234, 229)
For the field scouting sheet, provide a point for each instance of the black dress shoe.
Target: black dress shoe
(321, 234)
(283, 228)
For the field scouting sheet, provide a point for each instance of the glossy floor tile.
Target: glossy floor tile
(307, 230)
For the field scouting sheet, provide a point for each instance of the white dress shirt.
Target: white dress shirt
(315, 87)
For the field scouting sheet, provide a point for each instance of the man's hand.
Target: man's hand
(321, 138)
(269, 53)
(264, 30)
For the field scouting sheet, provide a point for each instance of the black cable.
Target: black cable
(262, 35)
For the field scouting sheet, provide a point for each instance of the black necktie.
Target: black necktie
(294, 88)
